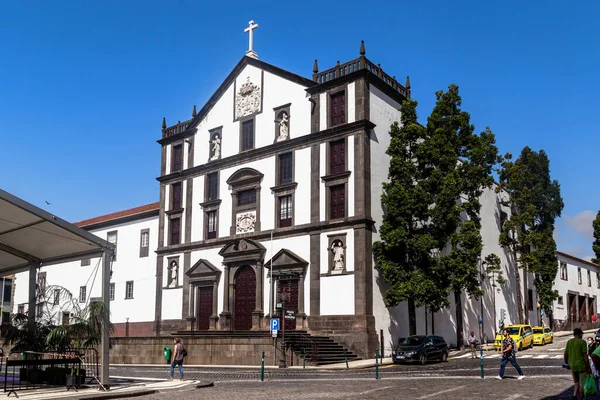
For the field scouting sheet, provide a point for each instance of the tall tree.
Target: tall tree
(596, 244)
(493, 271)
(460, 165)
(535, 203)
(406, 256)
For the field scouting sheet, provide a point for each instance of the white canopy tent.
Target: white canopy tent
(31, 237)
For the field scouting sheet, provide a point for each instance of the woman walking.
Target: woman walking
(508, 354)
(177, 359)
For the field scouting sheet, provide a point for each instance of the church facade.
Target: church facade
(269, 206)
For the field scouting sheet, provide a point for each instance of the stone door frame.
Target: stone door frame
(204, 273)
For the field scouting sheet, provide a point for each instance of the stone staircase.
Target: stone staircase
(319, 350)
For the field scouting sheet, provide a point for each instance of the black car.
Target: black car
(421, 349)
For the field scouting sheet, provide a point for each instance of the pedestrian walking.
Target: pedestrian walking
(590, 350)
(576, 356)
(472, 344)
(508, 355)
(177, 359)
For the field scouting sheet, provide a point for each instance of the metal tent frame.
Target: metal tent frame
(31, 237)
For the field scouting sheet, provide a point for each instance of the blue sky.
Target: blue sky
(84, 85)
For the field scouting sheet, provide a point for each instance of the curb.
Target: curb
(117, 395)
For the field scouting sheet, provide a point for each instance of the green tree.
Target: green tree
(459, 168)
(535, 203)
(596, 244)
(493, 271)
(406, 256)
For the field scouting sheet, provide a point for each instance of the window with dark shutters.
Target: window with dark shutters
(285, 211)
(285, 168)
(337, 197)
(212, 186)
(176, 191)
(177, 158)
(174, 231)
(337, 157)
(338, 108)
(211, 224)
(246, 197)
(248, 135)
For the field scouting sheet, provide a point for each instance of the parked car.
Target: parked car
(542, 335)
(421, 349)
(521, 334)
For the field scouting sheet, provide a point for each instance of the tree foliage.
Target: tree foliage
(535, 202)
(596, 244)
(493, 270)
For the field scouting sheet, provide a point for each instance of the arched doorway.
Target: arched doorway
(245, 298)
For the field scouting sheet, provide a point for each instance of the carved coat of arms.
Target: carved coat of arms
(247, 100)
(245, 222)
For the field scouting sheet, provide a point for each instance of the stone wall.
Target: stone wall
(204, 350)
(355, 332)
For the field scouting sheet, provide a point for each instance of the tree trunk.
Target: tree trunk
(518, 285)
(459, 320)
(412, 318)
(526, 294)
(550, 318)
(432, 322)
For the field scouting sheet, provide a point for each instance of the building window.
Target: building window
(579, 275)
(247, 135)
(560, 300)
(337, 157)
(589, 276)
(211, 224)
(530, 299)
(21, 309)
(85, 262)
(5, 318)
(65, 318)
(246, 197)
(337, 201)
(56, 297)
(176, 195)
(111, 237)
(129, 290)
(285, 211)
(39, 309)
(7, 290)
(177, 158)
(212, 186)
(338, 108)
(563, 271)
(112, 291)
(41, 282)
(285, 168)
(175, 231)
(82, 294)
(598, 280)
(144, 242)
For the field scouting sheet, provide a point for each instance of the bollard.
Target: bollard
(346, 357)
(262, 367)
(304, 357)
(376, 364)
(481, 361)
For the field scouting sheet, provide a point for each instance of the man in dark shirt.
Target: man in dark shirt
(508, 354)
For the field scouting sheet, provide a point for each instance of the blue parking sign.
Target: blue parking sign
(274, 324)
(480, 319)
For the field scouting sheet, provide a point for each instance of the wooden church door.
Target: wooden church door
(287, 290)
(245, 298)
(205, 306)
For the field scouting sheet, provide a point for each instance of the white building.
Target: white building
(275, 173)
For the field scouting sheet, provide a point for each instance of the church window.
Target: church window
(560, 300)
(285, 168)
(285, 211)
(337, 204)
(338, 108)
(563, 271)
(247, 135)
(589, 276)
(112, 291)
(579, 275)
(247, 197)
(82, 294)
(111, 237)
(177, 158)
(337, 157)
(129, 290)
(598, 280)
(144, 242)
(211, 224)
(212, 186)
(176, 194)
(175, 231)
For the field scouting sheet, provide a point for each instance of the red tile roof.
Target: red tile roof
(118, 215)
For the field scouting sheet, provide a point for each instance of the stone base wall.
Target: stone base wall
(355, 332)
(136, 329)
(204, 350)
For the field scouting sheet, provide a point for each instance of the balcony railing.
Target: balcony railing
(358, 64)
(175, 129)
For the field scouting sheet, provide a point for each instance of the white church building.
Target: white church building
(270, 194)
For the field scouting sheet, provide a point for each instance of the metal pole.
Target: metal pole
(481, 361)
(271, 293)
(376, 364)
(2, 304)
(346, 357)
(106, 258)
(274, 351)
(304, 358)
(262, 367)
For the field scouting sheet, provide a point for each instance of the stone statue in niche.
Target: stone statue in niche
(284, 127)
(248, 99)
(173, 272)
(337, 248)
(216, 147)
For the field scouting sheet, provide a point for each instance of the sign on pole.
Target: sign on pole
(480, 319)
(274, 324)
(274, 333)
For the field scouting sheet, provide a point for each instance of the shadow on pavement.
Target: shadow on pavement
(565, 394)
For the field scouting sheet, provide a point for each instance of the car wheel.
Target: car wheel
(423, 359)
(444, 357)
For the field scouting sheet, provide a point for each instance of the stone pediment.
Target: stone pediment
(243, 176)
(240, 250)
(286, 259)
(203, 268)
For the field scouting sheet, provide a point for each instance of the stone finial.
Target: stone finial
(164, 124)
(194, 111)
(362, 48)
(407, 86)
(338, 63)
(315, 67)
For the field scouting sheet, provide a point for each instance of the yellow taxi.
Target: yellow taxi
(521, 334)
(542, 335)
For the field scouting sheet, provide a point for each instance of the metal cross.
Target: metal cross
(251, 27)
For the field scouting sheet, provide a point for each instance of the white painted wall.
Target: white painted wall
(198, 212)
(337, 295)
(322, 172)
(561, 312)
(350, 192)
(322, 111)
(303, 190)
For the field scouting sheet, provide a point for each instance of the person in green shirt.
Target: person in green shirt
(577, 358)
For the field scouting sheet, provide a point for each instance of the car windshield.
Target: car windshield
(511, 331)
(538, 331)
(412, 341)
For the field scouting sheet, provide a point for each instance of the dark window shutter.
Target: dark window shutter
(338, 108)
(248, 135)
(337, 202)
(285, 168)
(337, 157)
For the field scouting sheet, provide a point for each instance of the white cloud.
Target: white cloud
(582, 222)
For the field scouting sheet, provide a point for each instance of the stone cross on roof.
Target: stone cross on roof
(251, 27)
